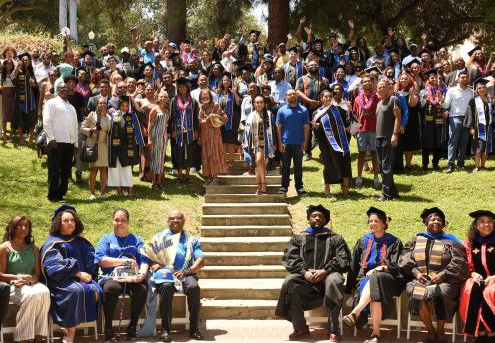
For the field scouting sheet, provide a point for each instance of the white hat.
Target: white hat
(124, 49)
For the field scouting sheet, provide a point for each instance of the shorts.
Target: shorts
(366, 141)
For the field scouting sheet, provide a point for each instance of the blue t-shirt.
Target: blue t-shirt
(119, 247)
(147, 56)
(292, 120)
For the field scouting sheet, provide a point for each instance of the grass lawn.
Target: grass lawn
(23, 191)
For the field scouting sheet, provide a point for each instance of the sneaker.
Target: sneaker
(475, 170)
(92, 197)
(307, 157)
(192, 170)
(301, 192)
(282, 190)
(450, 169)
(359, 182)
(175, 172)
(104, 196)
(376, 182)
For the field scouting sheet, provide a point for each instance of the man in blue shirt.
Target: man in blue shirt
(187, 262)
(293, 136)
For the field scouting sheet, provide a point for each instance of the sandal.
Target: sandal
(350, 319)
(373, 339)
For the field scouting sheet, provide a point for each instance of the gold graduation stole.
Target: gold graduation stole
(430, 267)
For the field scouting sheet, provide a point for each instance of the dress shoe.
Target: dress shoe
(450, 170)
(334, 338)
(196, 334)
(299, 334)
(131, 333)
(165, 337)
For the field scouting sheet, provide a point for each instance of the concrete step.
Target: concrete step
(245, 244)
(248, 179)
(244, 198)
(245, 231)
(243, 272)
(243, 258)
(239, 164)
(240, 189)
(249, 219)
(267, 289)
(238, 308)
(254, 208)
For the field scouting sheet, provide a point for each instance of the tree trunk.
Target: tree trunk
(73, 18)
(278, 21)
(62, 14)
(175, 21)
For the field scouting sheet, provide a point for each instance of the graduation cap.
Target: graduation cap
(434, 210)
(432, 71)
(373, 68)
(61, 209)
(480, 81)
(473, 50)
(352, 49)
(327, 88)
(340, 66)
(86, 46)
(182, 81)
(246, 67)
(318, 208)
(482, 213)
(258, 33)
(87, 52)
(218, 65)
(187, 41)
(379, 213)
(411, 62)
(21, 54)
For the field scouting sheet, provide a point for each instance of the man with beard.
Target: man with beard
(308, 88)
(135, 67)
(110, 53)
(388, 120)
(316, 258)
(251, 50)
(41, 73)
(267, 70)
(452, 78)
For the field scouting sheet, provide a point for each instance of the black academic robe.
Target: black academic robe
(185, 154)
(336, 165)
(471, 121)
(434, 128)
(453, 272)
(384, 286)
(306, 251)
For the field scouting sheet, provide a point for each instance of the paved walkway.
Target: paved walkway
(273, 331)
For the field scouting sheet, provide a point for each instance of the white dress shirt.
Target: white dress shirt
(457, 101)
(60, 121)
(279, 90)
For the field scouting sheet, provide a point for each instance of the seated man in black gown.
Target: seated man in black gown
(316, 259)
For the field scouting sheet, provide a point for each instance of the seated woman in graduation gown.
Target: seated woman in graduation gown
(477, 301)
(331, 124)
(67, 261)
(434, 266)
(374, 274)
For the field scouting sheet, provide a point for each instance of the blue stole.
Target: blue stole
(442, 235)
(327, 127)
(188, 125)
(299, 69)
(483, 240)
(135, 124)
(375, 253)
(214, 83)
(321, 71)
(229, 111)
(485, 134)
(316, 232)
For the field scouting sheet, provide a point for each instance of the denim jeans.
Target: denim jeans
(458, 140)
(385, 153)
(292, 152)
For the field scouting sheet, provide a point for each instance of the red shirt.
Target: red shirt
(366, 117)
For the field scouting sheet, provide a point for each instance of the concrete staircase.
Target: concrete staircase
(243, 236)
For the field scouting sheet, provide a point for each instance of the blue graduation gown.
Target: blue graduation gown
(72, 302)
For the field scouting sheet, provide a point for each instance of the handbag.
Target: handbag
(90, 154)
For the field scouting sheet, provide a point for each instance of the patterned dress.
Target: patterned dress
(212, 151)
(158, 142)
